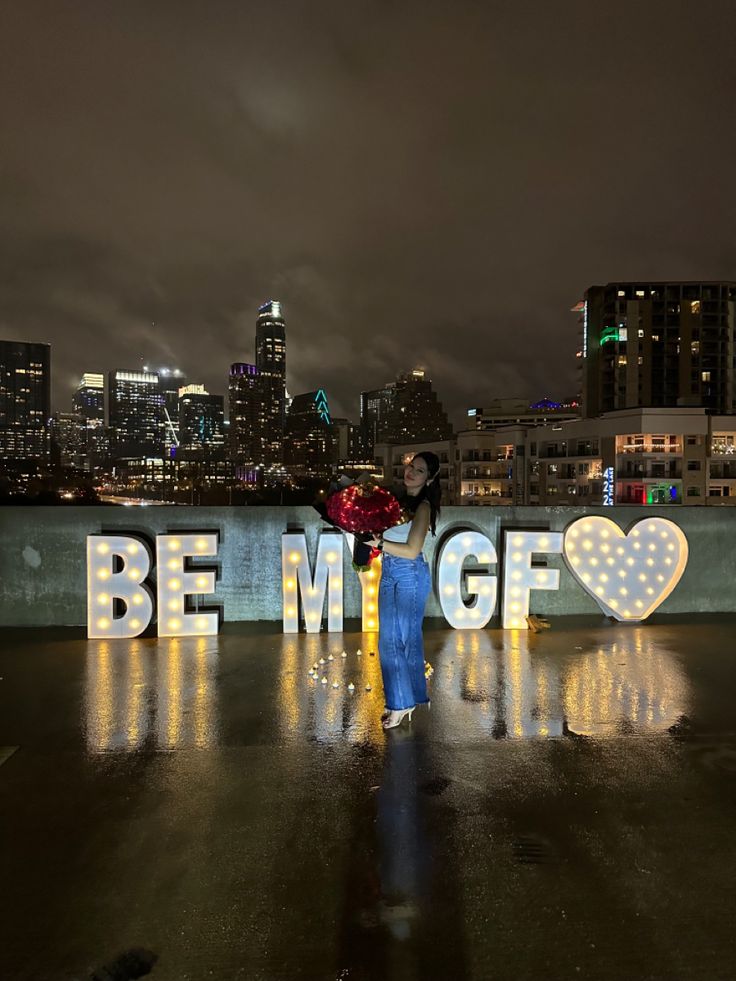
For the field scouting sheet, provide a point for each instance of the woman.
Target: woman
(405, 585)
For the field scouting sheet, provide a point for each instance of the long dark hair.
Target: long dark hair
(431, 492)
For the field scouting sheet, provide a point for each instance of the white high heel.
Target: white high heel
(396, 716)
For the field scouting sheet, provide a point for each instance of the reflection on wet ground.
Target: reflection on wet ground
(164, 694)
(139, 698)
(564, 809)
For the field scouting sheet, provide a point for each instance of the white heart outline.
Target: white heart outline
(660, 526)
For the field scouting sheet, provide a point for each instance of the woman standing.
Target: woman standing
(405, 586)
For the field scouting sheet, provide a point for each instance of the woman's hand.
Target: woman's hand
(374, 542)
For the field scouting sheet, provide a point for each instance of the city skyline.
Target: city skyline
(169, 373)
(416, 188)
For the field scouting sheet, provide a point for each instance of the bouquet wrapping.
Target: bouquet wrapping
(364, 510)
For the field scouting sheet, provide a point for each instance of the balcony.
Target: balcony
(723, 471)
(650, 471)
(723, 446)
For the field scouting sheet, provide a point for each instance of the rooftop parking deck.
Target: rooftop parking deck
(565, 809)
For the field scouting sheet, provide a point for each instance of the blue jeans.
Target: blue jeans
(402, 596)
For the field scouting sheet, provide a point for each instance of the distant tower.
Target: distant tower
(311, 447)
(660, 344)
(405, 411)
(248, 411)
(89, 398)
(201, 420)
(25, 400)
(136, 414)
(88, 401)
(271, 366)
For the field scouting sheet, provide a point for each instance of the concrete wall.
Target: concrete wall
(43, 574)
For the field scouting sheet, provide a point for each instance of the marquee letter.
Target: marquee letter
(519, 576)
(370, 582)
(455, 551)
(297, 581)
(116, 568)
(176, 582)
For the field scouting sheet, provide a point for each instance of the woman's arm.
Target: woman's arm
(417, 534)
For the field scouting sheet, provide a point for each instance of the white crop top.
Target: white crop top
(399, 533)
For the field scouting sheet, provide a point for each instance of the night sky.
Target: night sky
(419, 183)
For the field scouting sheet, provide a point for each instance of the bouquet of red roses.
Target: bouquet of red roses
(364, 510)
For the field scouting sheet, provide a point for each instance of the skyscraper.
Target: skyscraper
(201, 420)
(136, 414)
(374, 408)
(659, 345)
(89, 398)
(247, 408)
(88, 401)
(170, 381)
(407, 411)
(310, 447)
(271, 365)
(69, 445)
(25, 400)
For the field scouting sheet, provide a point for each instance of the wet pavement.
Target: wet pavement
(204, 809)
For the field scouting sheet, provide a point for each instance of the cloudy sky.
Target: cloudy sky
(419, 183)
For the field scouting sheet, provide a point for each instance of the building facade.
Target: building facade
(405, 411)
(249, 416)
(88, 401)
(518, 412)
(136, 414)
(69, 444)
(659, 345)
(89, 398)
(636, 456)
(311, 444)
(271, 366)
(201, 419)
(25, 401)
